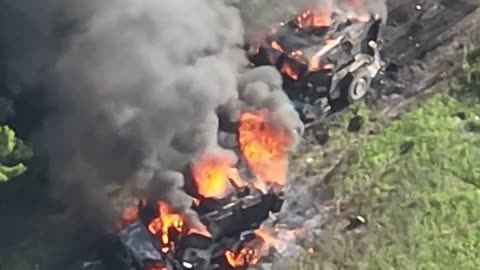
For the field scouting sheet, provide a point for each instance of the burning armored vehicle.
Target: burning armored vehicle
(232, 238)
(323, 57)
(231, 206)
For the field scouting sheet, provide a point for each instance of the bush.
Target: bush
(12, 153)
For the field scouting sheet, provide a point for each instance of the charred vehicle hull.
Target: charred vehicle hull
(323, 63)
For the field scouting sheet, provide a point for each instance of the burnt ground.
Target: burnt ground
(423, 48)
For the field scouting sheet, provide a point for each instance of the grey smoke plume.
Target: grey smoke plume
(136, 87)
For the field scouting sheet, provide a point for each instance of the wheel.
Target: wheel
(357, 85)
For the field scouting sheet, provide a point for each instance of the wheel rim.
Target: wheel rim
(360, 89)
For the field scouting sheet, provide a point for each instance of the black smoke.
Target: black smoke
(135, 89)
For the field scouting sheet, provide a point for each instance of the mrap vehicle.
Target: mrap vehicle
(321, 65)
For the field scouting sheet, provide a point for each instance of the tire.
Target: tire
(357, 85)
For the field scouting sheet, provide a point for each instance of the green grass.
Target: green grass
(423, 205)
(417, 183)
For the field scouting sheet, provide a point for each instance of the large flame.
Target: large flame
(167, 222)
(266, 239)
(312, 19)
(264, 145)
(213, 175)
(161, 226)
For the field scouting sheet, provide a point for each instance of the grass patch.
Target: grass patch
(417, 183)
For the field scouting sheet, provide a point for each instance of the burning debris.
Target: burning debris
(158, 129)
(325, 54)
(231, 208)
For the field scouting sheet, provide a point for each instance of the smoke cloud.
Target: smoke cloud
(139, 88)
(136, 89)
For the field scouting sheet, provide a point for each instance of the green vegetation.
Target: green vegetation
(417, 183)
(12, 150)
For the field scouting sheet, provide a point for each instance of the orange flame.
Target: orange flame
(288, 70)
(265, 241)
(269, 240)
(264, 146)
(162, 225)
(212, 173)
(196, 201)
(246, 256)
(319, 17)
(167, 221)
(276, 46)
(312, 18)
(314, 63)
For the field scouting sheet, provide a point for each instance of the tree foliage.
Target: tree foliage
(12, 152)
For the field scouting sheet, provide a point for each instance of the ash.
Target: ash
(300, 209)
(298, 224)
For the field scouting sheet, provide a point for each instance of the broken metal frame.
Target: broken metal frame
(232, 226)
(352, 57)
